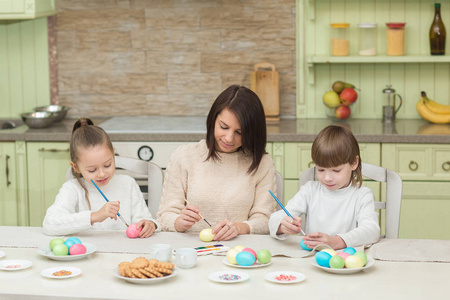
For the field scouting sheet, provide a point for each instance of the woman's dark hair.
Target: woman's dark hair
(247, 107)
(86, 135)
(334, 146)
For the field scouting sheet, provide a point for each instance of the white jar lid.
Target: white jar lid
(367, 25)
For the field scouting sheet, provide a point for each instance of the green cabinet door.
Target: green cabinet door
(47, 167)
(26, 9)
(8, 185)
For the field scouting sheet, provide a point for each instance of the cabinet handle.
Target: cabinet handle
(310, 164)
(53, 150)
(413, 166)
(446, 166)
(8, 183)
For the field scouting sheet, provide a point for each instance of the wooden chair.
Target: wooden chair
(152, 172)
(393, 193)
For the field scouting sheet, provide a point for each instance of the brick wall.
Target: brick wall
(167, 57)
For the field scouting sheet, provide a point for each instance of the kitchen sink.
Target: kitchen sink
(10, 123)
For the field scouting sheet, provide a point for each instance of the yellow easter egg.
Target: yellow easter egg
(354, 262)
(329, 251)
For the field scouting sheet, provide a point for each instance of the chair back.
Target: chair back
(393, 193)
(153, 172)
(280, 185)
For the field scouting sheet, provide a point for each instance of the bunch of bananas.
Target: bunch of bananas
(432, 111)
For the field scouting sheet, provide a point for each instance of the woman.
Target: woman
(225, 178)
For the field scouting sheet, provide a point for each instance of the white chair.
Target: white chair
(149, 170)
(393, 193)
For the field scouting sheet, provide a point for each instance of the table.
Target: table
(385, 280)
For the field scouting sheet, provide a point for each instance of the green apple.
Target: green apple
(231, 256)
(331, 99)
(55, 242)
(60, 250)
(264, 256)
(206, 235)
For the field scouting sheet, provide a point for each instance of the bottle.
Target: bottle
(437, 33)
(340, 43)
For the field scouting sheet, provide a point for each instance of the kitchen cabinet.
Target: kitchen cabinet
(47, 167)
(26, 9)
(8, 185)
(425, 171)
(408, 75)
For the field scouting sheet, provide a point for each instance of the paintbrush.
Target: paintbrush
(118, 214)
(200, 215)
(285, 210)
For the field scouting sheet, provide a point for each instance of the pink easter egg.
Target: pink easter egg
(250, 250)
(133, 231)
(77, 249)
(344, 255)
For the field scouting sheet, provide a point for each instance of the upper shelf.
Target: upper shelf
(26, 9)
(377, 59)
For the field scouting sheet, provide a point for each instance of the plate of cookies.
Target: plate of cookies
(145, 271)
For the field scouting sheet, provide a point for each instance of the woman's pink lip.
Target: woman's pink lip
(226, 145)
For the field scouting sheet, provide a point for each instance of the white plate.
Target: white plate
(272, 277)
(15, 264)
(370, 263)
(49, 272)
(2, 254)
(255, 265)
(144, 281)
(47, 252)
(222, 275)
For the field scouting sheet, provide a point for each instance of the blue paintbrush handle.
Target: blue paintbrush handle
(284, 208)
(104, 196)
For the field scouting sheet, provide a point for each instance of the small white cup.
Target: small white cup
(186, 258)
(161, 252)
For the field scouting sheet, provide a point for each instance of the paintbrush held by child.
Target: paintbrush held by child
(80, 206)
(340, 212)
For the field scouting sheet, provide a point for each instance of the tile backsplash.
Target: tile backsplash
(143, 57)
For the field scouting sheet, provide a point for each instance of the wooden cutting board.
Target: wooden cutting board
(265, 83)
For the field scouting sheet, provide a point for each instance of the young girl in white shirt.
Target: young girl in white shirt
(80, 206)
(340, 211)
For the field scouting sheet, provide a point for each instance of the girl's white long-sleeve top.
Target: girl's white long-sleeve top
(348, 212)
(70, 212)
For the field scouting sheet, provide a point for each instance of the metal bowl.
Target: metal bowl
(59, 111)
(39, 119)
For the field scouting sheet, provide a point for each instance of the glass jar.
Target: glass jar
(340, 44)
(367, 39)
(395, 39)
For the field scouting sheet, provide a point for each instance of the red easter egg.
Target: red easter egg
(77, 249)
(250, 250)
(133, 231)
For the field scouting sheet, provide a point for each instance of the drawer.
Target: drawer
(297, 157)
(418, 161)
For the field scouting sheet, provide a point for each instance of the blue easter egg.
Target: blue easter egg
(323, 259)
(244, 258)
(69, 243)
(349, 250)
(304, 247)
(72, 238)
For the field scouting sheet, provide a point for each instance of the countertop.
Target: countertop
(177, 128)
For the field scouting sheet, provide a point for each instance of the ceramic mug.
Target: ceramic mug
(186, 258)
(161, 252)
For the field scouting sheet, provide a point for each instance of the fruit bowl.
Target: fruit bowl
(339, 113)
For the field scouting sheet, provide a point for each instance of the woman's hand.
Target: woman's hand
(188, 217)
(226, 230)
(109, 210)
(290, 226)
(148, 227)
(319, 238)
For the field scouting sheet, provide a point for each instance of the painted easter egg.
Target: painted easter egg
(330, 251)
(55, 242)
(231, 256)
(323, 259)
(245, 258)
(239, 248)
(77, 249)
(264, 256)
(60, 250)
(75, 239)
(250, 250)
(337, 262)
(344, 255)
(304, 247)
(349, 250)
(353, 262)
(362, 255)
(206, 235)
(133, 231)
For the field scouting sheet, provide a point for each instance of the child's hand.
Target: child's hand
(148, 227)
(188, 217)
(109, 210)
(318, 238)
(290, 226)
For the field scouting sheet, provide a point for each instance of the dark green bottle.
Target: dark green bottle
(437, 33)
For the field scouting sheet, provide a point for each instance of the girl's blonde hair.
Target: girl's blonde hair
(334, 146)
(86, 135)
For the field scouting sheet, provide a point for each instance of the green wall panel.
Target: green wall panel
(24, 66)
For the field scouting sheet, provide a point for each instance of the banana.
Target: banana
(428, 115)
(435, 107)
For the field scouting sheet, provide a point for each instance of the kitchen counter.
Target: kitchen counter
(189, 129)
